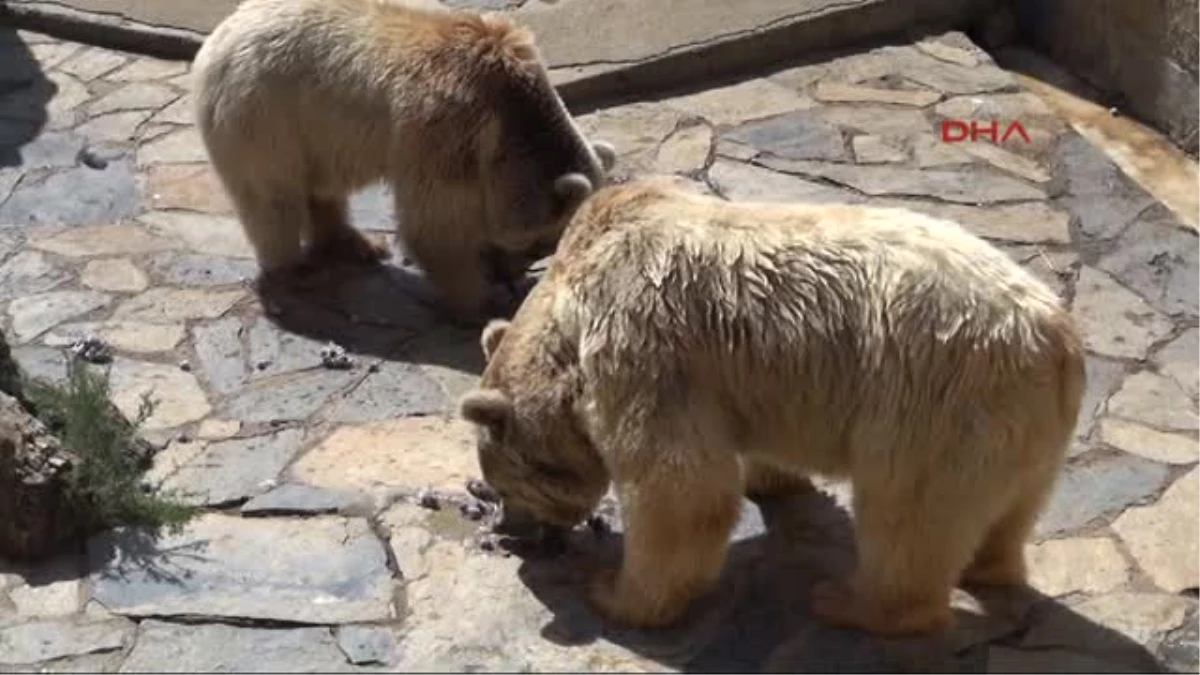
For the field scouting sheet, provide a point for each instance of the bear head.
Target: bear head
(531, 449)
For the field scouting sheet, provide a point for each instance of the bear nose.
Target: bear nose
(517, 522)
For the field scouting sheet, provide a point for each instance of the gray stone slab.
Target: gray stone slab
(964, 186)
(744, 182)
(226, 472)
(297, 499)
(323, 570)
(1096, 191)
(44, 363)
(197, 269)
(1160, 260)
(52, 150)
(394, 390)
(27, 273)
(366, 644)
(290, 397)
(274, 351)
(75, 196)
(1178, 650)
(221, 354)
(799, 135)
(1103, 377)
(1105, 485)
(44, 640)
(218, 648)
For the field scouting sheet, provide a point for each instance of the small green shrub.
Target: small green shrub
(105, 488)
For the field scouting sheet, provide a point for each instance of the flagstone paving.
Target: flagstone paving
(337, 533)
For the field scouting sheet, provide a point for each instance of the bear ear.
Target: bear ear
(606, 153)
(493, 333)
(573, 187)
(489, 408)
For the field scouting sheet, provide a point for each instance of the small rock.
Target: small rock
(482, 491)
(334, 357)
(474, 511)
(428, 500)
(92, 349)
(91, 159)
(185, 366)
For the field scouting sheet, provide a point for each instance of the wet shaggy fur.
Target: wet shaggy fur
(302, 102)
(689, 350)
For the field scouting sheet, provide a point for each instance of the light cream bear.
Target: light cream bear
(302, 102)
(677, 338)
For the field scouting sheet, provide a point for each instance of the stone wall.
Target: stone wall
(1143, 50)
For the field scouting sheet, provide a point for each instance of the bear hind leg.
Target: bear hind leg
(333, 239)
(1000, 560)
(676, 535)
(274, 224)
(912, 549)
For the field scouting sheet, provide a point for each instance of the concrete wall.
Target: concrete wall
(1143, 50)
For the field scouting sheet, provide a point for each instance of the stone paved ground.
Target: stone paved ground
(316, 548)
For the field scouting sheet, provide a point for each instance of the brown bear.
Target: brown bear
(302, 102)
(677, 338)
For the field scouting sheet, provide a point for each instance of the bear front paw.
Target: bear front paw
(839, 604)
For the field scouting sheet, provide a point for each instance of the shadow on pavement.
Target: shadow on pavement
(759, 620)
(386, 311)
(24, 94)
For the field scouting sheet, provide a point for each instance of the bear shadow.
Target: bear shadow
(386, 311)
(25, 93)
(758, 618)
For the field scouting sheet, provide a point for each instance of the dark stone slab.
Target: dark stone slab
(219, 648)
(1089, 490)
(75, 196)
